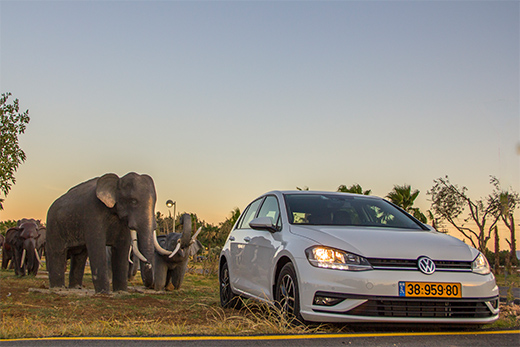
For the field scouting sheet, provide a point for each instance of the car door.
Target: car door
(240, 237)
(260, 250)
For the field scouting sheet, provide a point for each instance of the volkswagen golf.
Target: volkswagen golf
(338, 257)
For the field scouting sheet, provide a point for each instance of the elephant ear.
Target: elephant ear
(106, 189)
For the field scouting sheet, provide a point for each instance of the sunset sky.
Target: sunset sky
(221, 101)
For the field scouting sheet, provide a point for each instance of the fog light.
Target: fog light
(326, 300)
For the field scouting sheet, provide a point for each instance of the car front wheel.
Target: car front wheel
(287, 294)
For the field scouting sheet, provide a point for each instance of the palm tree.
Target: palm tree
(503, 204)
(404, 197)
(355, 188)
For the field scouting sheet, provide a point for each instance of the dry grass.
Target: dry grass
(192, 310)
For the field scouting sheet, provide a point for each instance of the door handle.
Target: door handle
(247, 239)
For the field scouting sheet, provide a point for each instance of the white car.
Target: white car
(338, 257)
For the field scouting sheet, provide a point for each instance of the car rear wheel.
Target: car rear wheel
(287, 294)
(227, 298)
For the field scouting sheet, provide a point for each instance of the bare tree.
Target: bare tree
(449, 202)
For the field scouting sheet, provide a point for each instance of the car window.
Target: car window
(271, 209)
(249, 214)
(346, 210)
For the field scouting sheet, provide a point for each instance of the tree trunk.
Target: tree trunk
(512, 254)
(497, 252)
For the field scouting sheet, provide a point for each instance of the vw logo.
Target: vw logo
(426, 265)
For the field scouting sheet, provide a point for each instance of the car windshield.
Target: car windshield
(345, 210)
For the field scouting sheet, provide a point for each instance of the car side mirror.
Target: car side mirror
(263, 223)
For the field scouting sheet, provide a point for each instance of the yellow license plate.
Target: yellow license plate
(430, 290)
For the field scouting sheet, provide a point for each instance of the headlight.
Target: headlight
(330, 258)
(480, 265)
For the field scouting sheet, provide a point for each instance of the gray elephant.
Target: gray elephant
(21, 247)
(104, 211)
(171, 268)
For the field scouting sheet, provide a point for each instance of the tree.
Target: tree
(404, 197)
(355, 188)
(503, 204)
(12, 124)
(449, 202)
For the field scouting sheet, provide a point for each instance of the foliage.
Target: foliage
(449, 202)
(502, 257)
(355, 189)
(404, 197)
(12, 124)
(211, 236)
(6, 225)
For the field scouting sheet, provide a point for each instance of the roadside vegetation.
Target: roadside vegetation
(29, 310)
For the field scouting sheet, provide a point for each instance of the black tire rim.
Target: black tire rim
(287, 295)
(225, 289)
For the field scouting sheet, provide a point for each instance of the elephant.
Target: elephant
(104, 211)
(21, 247)
(171, 268)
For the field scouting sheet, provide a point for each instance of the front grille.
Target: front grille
(419, 308)
(430, 309)
(411, 264)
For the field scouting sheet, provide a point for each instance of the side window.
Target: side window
(271, 209)
(249, 214)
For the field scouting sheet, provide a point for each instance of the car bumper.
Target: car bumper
(373, 296)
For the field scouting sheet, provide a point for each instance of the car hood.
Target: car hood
(389, 243)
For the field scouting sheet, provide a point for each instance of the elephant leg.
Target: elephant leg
(120, 268)
(177, 274)
(160, 272)
(5, 259)
(19, 269)
(56, 266)
(98, 264)
(77, 268)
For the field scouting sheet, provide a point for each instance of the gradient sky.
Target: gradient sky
(221, 101)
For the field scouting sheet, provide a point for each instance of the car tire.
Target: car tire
(288, 295)
(228, 299)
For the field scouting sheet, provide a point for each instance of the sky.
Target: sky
(222, 101)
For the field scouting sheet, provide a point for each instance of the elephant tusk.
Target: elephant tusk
(176, 248)
(133, 234)
(194, 237)
(158, 247)
(37, 257)
(22, 261)
(130, 256)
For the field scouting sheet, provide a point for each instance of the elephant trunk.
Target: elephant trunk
(186, 231)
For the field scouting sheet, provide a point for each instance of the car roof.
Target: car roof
(303, 192)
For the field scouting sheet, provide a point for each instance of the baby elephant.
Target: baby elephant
(171, 268)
